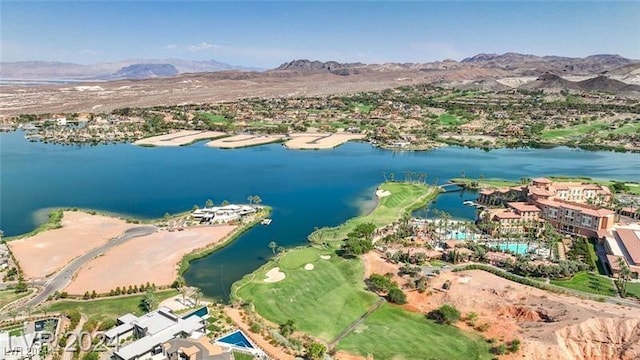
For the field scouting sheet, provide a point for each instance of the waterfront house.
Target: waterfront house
(150, 332)
(223, 214)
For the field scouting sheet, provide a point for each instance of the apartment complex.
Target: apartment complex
(569, 207)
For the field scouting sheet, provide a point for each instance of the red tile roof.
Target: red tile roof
(631, 240)
(585, 209)
(542, 180)
(507, 215)
(524, 207)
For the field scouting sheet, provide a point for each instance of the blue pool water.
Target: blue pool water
(519, 249)
(236, 339)
(461, 236)
(199, 312)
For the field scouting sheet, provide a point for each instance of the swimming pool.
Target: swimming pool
(519, 249)
(237, 339)
(461, 236)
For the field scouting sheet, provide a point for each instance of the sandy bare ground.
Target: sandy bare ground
(179, 138)
(312, 141)
(274, 275)
(239, 141)
(48, 251)
(151, 258)
(550, 326)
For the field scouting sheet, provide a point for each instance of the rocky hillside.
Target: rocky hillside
(554, 83)
(145, 71)
(535, 65)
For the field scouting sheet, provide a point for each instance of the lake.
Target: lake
(306, 189)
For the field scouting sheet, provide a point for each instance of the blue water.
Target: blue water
(237, 339)
(306, 189)
(199, 312)
(519, 249)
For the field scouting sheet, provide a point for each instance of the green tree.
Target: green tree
(397, 296)
(356, 246)
(287, 328)
(149, 301)
(380, 283)
(273, 246)
(208, 203)
(446, 314)
(316, 351)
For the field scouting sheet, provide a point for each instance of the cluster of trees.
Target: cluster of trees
(383, 284)
(561, 270)
(359, 240)
(132, 289)
(582, 251)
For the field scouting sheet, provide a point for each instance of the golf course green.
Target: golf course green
(323, 294)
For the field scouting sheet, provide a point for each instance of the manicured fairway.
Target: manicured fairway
(590, 283)
(404, 198)
(321, 302)
(393, 333)
(449, 120)
(108, 308)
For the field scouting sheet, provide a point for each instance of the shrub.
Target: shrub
(397, 296)
(380, 283)
(255, 327)
(514, 346)
(446, 314)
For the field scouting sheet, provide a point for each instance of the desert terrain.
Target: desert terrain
(152, 258)
(550, 326)
(48, 251)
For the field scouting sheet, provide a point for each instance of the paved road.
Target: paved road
(64, 276)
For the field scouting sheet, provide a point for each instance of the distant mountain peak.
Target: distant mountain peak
(145, 71)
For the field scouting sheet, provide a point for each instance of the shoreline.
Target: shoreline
(28, 243)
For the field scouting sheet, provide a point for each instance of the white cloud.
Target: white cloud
(171, 46)
(202, 46)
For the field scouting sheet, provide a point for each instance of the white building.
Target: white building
(223, 214)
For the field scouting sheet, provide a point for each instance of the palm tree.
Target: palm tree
(208, 203)
(257, 200)
(197, 296)
(624, 274)
(250, 199)
(273, 246)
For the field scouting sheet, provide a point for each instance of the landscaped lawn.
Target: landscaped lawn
(215, 118)
(575, 131)
(590, 283)
(450, 120)
(404, 198)
(108, 308)
(393, 333)
(633, 289)
(487, 183)
(363, 108)
(321, 302)
(9, 296)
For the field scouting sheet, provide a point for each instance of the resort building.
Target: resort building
(569, 207)
(151, 331)
(223, 214)
(622, 243)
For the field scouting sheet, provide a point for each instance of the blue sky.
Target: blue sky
(268, 33)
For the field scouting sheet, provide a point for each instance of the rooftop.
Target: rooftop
(523, 207)
(630, 239)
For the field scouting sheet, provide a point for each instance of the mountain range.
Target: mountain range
(125, 69)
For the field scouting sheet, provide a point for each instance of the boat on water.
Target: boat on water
(468, 203)
(266, 221)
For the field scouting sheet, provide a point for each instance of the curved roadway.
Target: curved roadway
(58, 281)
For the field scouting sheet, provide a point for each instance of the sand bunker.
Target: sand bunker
(314, 141)
(274, 275)
(382, 193)
(239, 141)
(179, 138)
(309, 267)
(325, 257)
